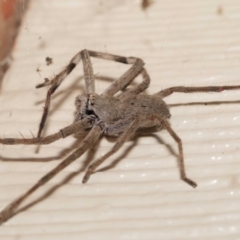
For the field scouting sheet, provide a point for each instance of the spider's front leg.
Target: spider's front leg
(58, 79)
(87, 143)
(76, 127)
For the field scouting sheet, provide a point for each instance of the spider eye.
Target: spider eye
(90, 112)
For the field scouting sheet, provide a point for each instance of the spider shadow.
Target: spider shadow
(63, 153)
(85, 163)
(89, 158)
(142, 133)
(204, 103)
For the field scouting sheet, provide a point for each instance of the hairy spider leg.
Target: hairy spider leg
(140, 87)
(181, 89)
(87, 143)
(167, 126)
(77, 127)
(143, 85)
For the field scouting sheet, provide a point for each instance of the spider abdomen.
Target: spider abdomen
(117, 113)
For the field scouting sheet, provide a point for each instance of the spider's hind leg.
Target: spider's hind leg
(182, 89)
(164, 123)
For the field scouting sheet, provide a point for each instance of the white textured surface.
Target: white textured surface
(182, 43)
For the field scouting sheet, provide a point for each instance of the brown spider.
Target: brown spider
(119, 116)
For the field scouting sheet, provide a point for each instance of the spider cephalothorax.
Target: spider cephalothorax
(116, 113)
(107, 114)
